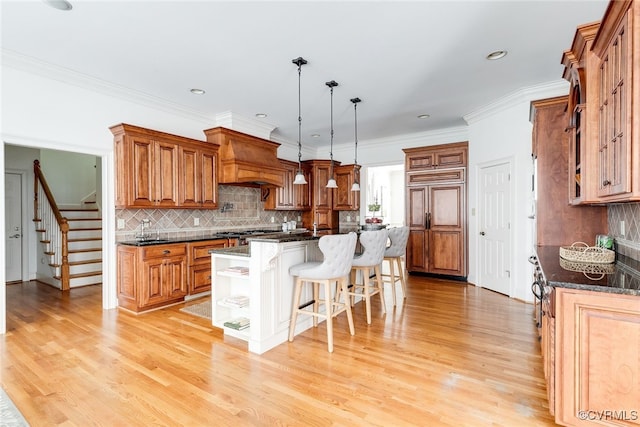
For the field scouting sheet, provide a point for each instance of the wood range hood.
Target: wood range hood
(246, 159)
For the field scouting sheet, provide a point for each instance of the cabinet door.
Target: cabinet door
(615, 109)
(209, 179)
(417, 245)
(284, 194)
(152, 289)
(142, 181)
(322, 196)
(174, 277)
(302, 192)
(166, 174)
(449, 158)
(445, 227)
(190, 178)
(200, 264)
(597, 357)
(343, 198)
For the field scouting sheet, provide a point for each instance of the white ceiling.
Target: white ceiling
(401, 58)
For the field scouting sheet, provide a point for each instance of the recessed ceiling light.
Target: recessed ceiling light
(424, 116)
(497, 55)
(59, 4)
(197, 91)
(261, 115)
(315, 135)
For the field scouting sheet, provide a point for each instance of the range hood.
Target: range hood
(246, 159)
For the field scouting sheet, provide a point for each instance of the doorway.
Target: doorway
(385, 191)
(494, 198)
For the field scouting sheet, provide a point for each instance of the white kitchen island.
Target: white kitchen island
(260, 271)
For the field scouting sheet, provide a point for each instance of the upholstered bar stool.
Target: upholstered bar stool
(374, 243)
(337, 250)
(394, 253)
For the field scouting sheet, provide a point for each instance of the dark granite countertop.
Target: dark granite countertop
(165, 241)
(621, 277)
(283, 237)
(244, 251)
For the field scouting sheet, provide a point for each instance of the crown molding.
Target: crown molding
(65, 75)
(248, 125)
(527, 94)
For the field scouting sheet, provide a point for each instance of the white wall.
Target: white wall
(60, 168)
(503, 132)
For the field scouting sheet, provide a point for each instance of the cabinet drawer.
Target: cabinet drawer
(199, 252)
(160, 251)
(445, 175)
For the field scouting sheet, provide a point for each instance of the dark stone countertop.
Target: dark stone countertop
(620, 277)
(243, 251)
(166, 241)
(283, 237)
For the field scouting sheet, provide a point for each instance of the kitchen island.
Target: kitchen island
(252, 290)
(590, 339)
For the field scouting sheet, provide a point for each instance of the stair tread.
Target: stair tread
(84, 219)
(87, 261)
(79, 251)
(87, 239)
(79, 210)
(85, 229)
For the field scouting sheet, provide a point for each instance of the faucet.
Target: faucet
(226, 207)
(144, 224)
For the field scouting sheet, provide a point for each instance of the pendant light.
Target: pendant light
(299, 180)
(332, 182)
(356, 181)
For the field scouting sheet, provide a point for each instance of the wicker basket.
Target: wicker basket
(588, 254)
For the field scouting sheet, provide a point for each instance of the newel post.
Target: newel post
(64, 267)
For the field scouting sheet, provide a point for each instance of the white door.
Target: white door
(13, 226)
(494, 228)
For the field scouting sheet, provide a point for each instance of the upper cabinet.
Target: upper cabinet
(343, 198)
(442, 156)
(321, 213)
(618, 47)
(290, 196)
(580, 63)
(159, 170)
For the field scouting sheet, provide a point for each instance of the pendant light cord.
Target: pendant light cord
(331, 85)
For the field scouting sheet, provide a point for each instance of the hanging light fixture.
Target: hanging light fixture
(356, 181)
(332, 181)
(299, 180)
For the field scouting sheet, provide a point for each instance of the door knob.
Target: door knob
(482, 233)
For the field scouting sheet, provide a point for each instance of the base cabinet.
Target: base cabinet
(199, 261)
(597, 350)
(152, 276)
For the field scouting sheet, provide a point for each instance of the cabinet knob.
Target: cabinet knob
(606, 182)
(482, 233)
(166, 252)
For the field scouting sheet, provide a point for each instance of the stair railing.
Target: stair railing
(52, 223)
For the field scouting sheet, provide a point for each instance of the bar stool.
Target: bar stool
(338, 255)
(374, 243)
(395, 252)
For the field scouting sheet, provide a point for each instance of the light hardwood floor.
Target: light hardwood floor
(450, 355)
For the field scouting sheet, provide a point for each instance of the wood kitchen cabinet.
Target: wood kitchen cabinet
(617, 44)
(321, 212)
(581, 66)
(199, 261)
(557, 221)
(289, 196)
(436, 157)
(343, 198)
(198, 178)
(159, 170)
(151, 276)
(436, 211)
(597, 343)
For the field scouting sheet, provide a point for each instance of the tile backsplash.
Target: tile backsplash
(627, 243)
(244, 210)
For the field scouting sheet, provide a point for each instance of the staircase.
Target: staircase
(72, 238)
(84, 248)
